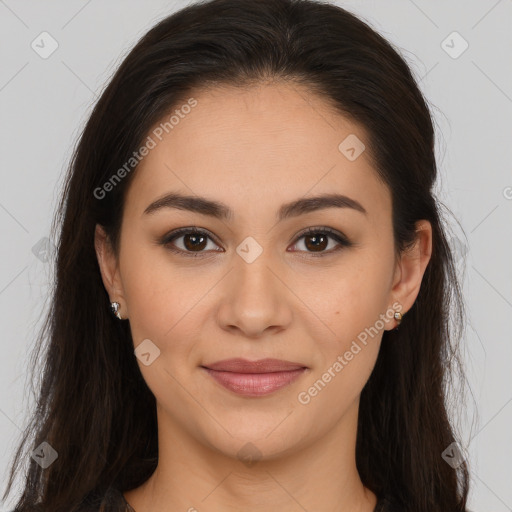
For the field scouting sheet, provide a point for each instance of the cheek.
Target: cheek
(163, 304)
(158, 295)
(359, 295)
(353, 306)
(347, 355)
(166, 302)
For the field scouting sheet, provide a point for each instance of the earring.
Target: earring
(398, 317)
(114, 306)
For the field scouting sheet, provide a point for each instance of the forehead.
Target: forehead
(257, 146)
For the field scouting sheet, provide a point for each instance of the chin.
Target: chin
(253, 443)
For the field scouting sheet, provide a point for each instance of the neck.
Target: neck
(321, 477)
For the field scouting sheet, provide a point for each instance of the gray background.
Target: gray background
(45, 101)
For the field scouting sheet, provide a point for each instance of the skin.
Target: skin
(255, 149)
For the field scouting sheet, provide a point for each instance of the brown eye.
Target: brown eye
(316, 240)
(194, 242)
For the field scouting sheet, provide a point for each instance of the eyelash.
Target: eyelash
(338, 237)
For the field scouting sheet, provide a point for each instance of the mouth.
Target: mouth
(254, 378)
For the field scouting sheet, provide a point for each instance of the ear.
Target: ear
(109, 269)
(411, 267)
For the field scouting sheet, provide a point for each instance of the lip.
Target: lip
(240, 365)
(254, 378)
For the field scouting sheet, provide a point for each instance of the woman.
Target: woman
(253, 282)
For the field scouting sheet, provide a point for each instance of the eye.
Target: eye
(195, 241)
(316, 240)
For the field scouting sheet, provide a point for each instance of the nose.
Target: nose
(255, 299)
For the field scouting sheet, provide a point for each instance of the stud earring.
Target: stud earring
(114, 306)
(398, 317)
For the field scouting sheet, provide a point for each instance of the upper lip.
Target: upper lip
(240, 365)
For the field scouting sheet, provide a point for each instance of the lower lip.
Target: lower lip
(255, 384)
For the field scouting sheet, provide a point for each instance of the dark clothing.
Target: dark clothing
(383, 504)
(115, 500)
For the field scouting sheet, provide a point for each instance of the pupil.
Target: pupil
(194, 238)
(316, 241)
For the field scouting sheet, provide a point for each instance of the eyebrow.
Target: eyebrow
(221, 211)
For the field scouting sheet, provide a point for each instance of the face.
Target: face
(252, 284)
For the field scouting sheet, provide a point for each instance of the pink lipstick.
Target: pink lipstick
(254, 378)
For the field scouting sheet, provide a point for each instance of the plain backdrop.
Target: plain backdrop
(460, 53)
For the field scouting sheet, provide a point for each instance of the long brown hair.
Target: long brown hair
(93, 406)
